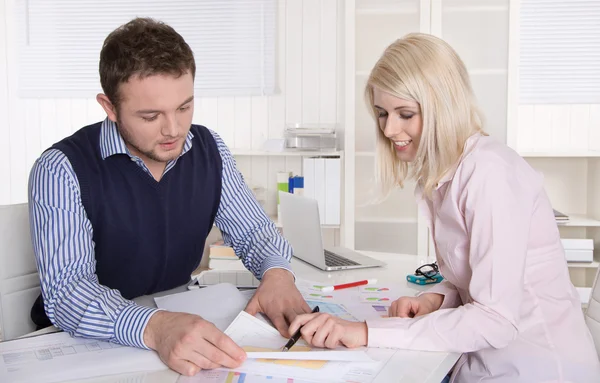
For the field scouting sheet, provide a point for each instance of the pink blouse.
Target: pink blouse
(509, 304)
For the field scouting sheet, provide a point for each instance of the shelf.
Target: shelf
(279, 225)
(581, 154)
(583, 265)
(287, 153)
(481, 72)
(475, 8)
(385, 220)
(385, 8)
(578, 220)
(472, 72)
(386, 11)
(365, 154)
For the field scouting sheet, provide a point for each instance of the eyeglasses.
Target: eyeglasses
(429, 270)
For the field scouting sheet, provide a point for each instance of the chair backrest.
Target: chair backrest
(19, 281)
(592, 314)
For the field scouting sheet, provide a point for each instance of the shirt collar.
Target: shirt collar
(111, 141)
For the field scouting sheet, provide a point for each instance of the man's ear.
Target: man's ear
(108, 107)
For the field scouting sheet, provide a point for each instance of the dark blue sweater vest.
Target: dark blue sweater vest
(149, 236)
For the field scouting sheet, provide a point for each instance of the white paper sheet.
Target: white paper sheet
(252, 333)
(213, 376)
(257, 337)
(219, 303)
(58, 357)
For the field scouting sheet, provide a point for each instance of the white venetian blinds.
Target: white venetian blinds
(60, 40)
(559, 53)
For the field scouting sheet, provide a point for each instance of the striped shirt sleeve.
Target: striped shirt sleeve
(74, 299)
(245, 225)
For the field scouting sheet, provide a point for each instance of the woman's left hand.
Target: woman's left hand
(324, 330)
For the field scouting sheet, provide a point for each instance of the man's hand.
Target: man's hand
(187, 343)
(410, 307)
(278, 298)
(324, 330)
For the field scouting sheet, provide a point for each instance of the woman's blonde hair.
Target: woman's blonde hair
(425, 69)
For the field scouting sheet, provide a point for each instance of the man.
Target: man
(122, 209)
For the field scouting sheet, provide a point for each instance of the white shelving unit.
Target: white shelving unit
(478, 30)
(569, 154)
(562, 142)
(285, 153)
(283, 160)
(577, 220)
(391, 225)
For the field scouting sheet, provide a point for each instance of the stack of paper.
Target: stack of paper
(219, 304)
(560, 217)
(59, 357)
(218, 250)
(239, 278)
(263, 346)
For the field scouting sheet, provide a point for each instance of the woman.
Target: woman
(507, 302)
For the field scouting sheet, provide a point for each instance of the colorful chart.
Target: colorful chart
(381, 310)
(334, 309)
(320, 296)
(309, 364)
(376, 299)
(240, 377)
(374, 289)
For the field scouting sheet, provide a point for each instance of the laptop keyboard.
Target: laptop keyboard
(332, 259)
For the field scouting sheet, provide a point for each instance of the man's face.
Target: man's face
(155, 115)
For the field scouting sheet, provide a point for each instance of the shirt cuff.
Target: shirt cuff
(386, 332)
(131, 324)
(275, 262)
(451, 296)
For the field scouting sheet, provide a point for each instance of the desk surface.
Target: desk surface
(413, 366)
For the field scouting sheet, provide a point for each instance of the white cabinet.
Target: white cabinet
(391, 225)
(478, 30)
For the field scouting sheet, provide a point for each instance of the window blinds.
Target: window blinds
(559, 53)
(60, 40)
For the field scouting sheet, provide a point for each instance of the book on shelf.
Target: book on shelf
(560, 217)
(223, 257)
(218, 250)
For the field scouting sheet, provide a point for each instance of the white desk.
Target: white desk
(414, 366)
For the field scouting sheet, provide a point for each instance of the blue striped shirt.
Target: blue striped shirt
(62, 239)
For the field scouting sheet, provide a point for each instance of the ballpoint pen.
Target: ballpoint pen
(290, 343)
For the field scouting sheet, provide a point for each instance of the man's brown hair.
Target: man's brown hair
(143, 47)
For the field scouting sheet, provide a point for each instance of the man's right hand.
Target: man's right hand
(410, 307)
(187, 343)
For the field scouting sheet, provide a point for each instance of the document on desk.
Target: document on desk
(215, 376)
(58, 357)
(219, 303)
(263, 343)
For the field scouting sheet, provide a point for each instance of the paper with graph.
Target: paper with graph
(263, 343)
(215, 376)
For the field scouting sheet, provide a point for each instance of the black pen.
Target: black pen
(290, 343)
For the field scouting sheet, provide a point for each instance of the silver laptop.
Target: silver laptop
(302, 229)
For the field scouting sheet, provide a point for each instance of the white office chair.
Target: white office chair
(592, 314)
(19, 281)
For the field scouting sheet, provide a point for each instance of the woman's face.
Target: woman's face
(400, 121)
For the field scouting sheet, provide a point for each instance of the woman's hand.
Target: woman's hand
(410, 307)
(324, 330)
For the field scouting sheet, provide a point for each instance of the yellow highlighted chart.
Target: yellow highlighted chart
(309, 364)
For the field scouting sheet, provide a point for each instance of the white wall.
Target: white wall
(307, 68)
